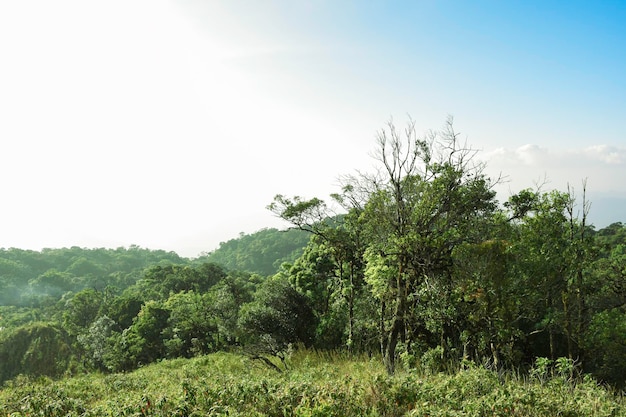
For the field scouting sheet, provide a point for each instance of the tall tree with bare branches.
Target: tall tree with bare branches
(429, 196)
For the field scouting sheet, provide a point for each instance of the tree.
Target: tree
(227, 298)
(340, 272)
(124, 308)
(551, 247)
(605, 337)
(488, 302)
(34, 349)
(278, 316)
(51, 283)
(606, 343)
(314, 275)
(191, 325)
(429, 197)
(98, 344)
(144, 340)
(167, 279)
(81, 310)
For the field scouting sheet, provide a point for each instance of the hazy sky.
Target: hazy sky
(172, 124)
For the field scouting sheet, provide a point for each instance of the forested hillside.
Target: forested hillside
(77, 309)
(425, 269)
(28, 277)
(262, 252)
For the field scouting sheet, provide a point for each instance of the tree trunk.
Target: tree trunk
(568, 323)
(381, 331)
(351, 310)
(398, 324)
(392, 342)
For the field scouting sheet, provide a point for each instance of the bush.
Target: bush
(34, 349)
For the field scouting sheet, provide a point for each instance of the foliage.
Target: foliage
(228, 296)
(161, 281)
(192, 326)
(145, 338)
(430, 198)
(82, 309)
(262, 252)
(278, 316)
(27, 276)
(97, 343)
(425, 259)
(322, 384)
(34, 349)
(422, 268)
(606, 344)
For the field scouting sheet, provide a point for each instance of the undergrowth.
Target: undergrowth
(315, 384)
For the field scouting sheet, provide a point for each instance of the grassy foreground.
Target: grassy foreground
(315, 385)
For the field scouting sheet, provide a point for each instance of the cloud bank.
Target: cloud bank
(603, 167)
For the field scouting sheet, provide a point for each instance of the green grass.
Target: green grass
(316, 384)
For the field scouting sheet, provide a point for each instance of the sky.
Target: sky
(173, 124)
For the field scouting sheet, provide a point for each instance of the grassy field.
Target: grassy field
(316, 384)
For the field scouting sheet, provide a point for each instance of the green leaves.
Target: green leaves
(34, 349)
(279, 311)
(431, 199)
(262, 252)
(317, 384)
(305, 214)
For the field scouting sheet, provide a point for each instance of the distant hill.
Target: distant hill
(261, 252)
(29, 274)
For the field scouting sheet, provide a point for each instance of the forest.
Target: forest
(416, 266)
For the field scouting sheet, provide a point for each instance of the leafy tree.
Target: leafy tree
(191, 325)
(606, 345)
(604, 337)
(607, 281)
(81, 310)
(144, 341)
(552, 249)
(430, 198)
(227, 297)
(34, 349)
(278, 316)
(488, 303)
(609, 237)
(176, 278)
(98, 342)
(315, 276)
(337, 274)
(124, 308)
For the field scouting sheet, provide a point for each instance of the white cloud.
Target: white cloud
(529, 154)
(602, 166)
(611, 155)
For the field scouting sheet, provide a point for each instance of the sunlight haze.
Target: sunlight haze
(172, 124)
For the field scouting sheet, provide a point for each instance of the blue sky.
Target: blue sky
(172, 124)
